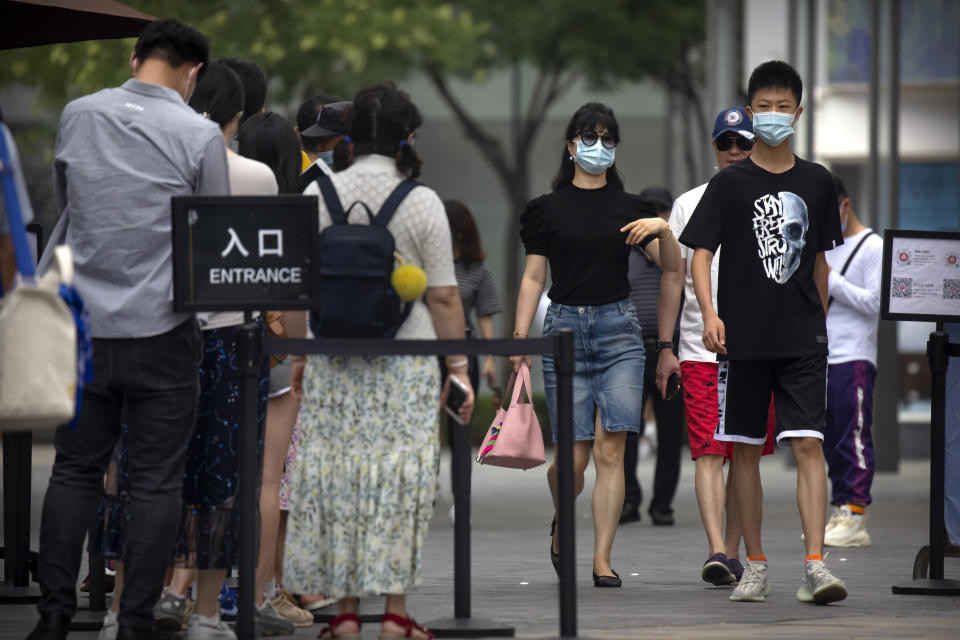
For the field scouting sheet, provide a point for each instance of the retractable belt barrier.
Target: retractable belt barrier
(561, 346)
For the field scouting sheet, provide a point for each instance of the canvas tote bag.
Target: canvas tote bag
(38, 331)
(514, 439)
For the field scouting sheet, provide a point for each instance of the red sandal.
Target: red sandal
(409, 624)
(329, 632)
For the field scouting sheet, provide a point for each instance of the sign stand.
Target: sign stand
(939, 350)
(921, 282)
(249, 350)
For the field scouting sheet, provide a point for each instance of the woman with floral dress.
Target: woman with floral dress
(362, 493)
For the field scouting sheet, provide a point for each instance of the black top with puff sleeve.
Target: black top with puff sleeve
(578, 230)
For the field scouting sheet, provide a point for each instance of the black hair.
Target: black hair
(588, 118)
(775, 74)
(307, 117)
(342, 155)
(841, 188)
(383, 118)
(173, 42)
(269, 138)
(463, 231)
(254, 85)
(219, 94)
(659, 197)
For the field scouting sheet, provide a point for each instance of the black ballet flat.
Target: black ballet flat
(607, 581)
(554, 557)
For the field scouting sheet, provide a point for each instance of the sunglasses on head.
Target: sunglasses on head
(725, 142)
(590, 137)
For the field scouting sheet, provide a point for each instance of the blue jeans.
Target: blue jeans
(608, 367)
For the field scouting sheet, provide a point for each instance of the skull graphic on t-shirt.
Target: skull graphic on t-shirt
(780, 223)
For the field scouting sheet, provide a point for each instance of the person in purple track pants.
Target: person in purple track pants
(852, 313)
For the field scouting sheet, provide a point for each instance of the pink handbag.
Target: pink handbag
(514, 439)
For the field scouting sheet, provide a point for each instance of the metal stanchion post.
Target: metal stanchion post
(16, 589)
(462, 625)
(461, 533)
(90, 618)
(938, 348)
(563, 362)
(249, 349)
(97, 588)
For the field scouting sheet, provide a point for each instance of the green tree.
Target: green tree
(343, 44)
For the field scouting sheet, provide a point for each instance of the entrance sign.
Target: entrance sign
(244, 253)
(921, 275)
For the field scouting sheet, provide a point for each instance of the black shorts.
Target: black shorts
(799, 387)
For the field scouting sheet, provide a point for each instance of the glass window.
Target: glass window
(929, 40)
(848, 41)
(930, 196)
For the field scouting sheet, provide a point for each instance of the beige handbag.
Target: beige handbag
(38, 351)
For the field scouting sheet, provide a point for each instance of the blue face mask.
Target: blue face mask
(326, 156)
(595, 159)
(773, 127)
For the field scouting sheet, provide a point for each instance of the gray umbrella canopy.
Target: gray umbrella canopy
(28, 23)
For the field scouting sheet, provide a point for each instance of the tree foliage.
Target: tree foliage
(340, 45)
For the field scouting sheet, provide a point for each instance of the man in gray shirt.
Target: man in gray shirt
(120, 155)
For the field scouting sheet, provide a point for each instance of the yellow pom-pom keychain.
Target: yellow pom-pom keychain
(409, 280)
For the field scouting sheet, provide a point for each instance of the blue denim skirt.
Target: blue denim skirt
(608, 369)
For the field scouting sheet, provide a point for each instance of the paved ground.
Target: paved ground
(662, 597)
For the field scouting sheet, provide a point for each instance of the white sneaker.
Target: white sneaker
(850, 531)
(834, 519)
(753, 586)
(831, 523)
(110, 627)
(203, 628)
(819, 585)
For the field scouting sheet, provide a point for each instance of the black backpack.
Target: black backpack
(356, 260)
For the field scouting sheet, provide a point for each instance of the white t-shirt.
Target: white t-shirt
(855, 310)
(248, 177)
(419, 227)
(691, 320)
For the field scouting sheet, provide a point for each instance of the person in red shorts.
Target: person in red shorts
(697, 368)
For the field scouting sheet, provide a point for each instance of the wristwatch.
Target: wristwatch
(664, 344)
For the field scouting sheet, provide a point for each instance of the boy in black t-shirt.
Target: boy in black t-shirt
(775, 215)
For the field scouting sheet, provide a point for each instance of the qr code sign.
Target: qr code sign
(951, 289)
(903, 288)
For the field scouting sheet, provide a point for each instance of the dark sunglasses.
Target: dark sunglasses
(725, 142)
(590, 138)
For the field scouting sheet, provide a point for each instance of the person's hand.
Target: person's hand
(516, 361)
(639, 229)
(296, 377)
(489, 372)
(667, 365)
(714, 334)
(466, 409)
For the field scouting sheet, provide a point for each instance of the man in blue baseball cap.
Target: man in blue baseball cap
(689, 359)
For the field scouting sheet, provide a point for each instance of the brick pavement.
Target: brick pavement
(662, 596)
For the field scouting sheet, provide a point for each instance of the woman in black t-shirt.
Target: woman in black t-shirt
(584, 229)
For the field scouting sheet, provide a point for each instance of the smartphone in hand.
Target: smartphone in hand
(455, 398)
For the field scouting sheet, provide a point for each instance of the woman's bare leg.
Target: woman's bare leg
(608, 449)
(281, 417)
